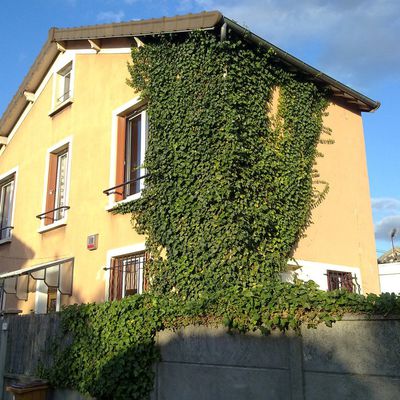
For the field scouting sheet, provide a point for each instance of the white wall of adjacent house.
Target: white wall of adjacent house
(389, 276)
(318, 272)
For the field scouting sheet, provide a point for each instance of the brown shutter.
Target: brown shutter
(51, 188)
(120, 168)
(115, 284)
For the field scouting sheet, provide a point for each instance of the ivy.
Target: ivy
(230, 188)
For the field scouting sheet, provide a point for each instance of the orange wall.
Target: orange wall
(99, 88)
(342, 231)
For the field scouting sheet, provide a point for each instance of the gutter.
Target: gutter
(372, 105)
(185, 23)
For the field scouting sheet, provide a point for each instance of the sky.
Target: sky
(355, 41)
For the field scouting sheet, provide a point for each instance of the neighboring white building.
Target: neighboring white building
(389, 271)
(389, 276)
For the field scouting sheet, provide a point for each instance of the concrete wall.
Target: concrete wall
(357, 359)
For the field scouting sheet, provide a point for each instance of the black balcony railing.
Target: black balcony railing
(64, 97)
(125, 187)
(54, 215)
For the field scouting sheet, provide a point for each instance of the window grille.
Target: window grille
(341, 280)
(127, 276)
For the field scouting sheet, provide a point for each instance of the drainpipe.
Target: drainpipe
(224, 31)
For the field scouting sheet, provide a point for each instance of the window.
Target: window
(63, 90)
(51, 299)
(57, 187)
(127, 275)
(131, 145)
(340, 280)
(56, 191)
(6, 206)
(133, 159)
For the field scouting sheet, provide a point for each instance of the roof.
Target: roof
(211, 20)
(391, 256)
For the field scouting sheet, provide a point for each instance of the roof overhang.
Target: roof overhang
(58, 40)
(37, 267)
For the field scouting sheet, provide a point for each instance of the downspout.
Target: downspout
(224, 31)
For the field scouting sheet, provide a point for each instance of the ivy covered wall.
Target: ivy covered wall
(229, 191)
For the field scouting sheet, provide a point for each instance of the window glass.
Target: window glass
(56, 196)
(64, 84)
(6, 199)
(61, 185)
(133, 158)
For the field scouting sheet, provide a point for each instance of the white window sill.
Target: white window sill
(61, 106)
(54, 225)
(135, 196)
(6, 240)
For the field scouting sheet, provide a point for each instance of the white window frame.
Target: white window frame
(120, 252)
(3, 178)
(54, 149)
(63, 66)
(126, 109)
(63, 95)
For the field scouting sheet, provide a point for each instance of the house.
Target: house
(70, 138)
(389, 270)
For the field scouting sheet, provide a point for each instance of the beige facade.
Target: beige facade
(341, 236)
(85, 125)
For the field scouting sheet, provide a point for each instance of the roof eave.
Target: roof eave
(31, 82)
(179, 24)
(339, 89)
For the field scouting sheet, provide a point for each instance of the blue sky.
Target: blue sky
(355, 41)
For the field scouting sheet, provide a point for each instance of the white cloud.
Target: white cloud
(385, 226)
(110, 16)
(385, 204)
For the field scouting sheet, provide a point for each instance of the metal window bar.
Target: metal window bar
(127, 276)
(64, 97)
(55, 216)
(7, 234)
(342, 280)
(112, 190)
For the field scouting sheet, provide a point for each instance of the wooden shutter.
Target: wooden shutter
(120, 167)
(51, 188)
(115, 284)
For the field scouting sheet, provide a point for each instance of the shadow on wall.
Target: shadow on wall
(17, 255)
(357, 359)
(14, 255)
